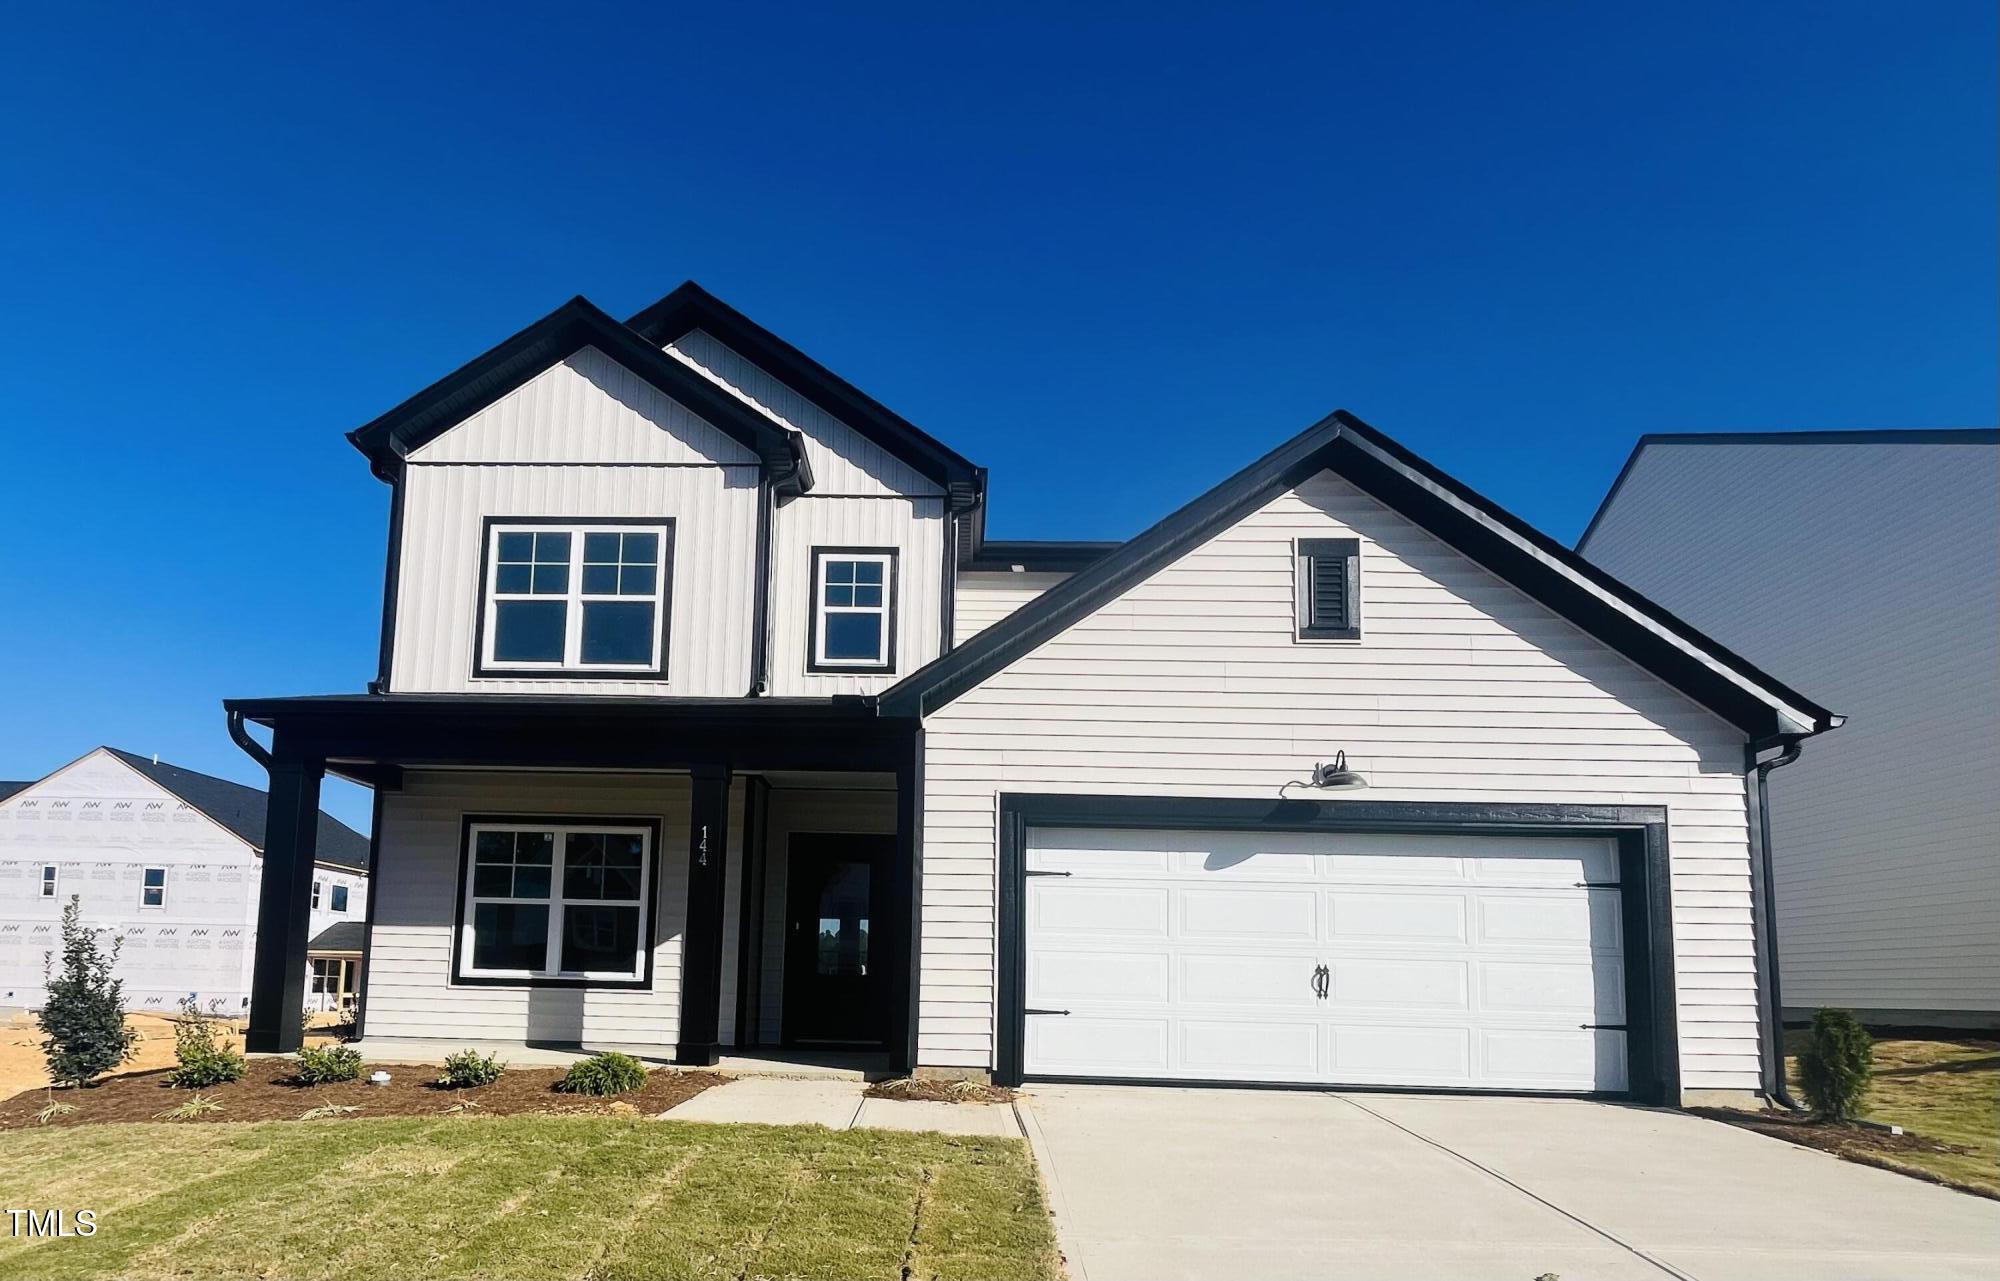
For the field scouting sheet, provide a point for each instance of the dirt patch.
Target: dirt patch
(267, 1093)
(23, 1066)
(1859, 1143)
(940, 1091)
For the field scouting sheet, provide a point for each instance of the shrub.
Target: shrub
(1836, 1064)
(603, 1074)
(204, 1061)
(197, 1105)
(469, 1068)
(84, 1017)
(324, 1064)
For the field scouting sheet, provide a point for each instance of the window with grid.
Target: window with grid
(575, 596)
(853, 621)
(556, 901)
(48, 880)
(1329, 588)
(153, 887)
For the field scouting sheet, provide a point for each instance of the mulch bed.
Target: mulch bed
(940, 1091)
(1859, 1143)
(268, 1093)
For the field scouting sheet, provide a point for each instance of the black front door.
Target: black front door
(836, 993)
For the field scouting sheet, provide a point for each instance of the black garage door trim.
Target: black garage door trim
(1645, 889)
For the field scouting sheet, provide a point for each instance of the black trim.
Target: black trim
(1921, 436)
(284, 912)
(699, 1038)
(391, 584)
(1482, 531)
(690, 307)
(751, 886)
(1341, 624)
(948, 587)
(1644, 871)
(649, 928)
(368, 917)
(760, 601)
(889, 617)
(1035, 556)
(906, 895)
(666, 524)
(555, 337)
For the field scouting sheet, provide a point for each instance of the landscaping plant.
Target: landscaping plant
(84, 1018)
(600, 1074)
(197, 1105)
(204, 1060)
(325, 1064)
(469, 1068)
(1836, 1064)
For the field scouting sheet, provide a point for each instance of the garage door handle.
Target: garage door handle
(1602, 1027)
(1045, 1011)
(1322, 979)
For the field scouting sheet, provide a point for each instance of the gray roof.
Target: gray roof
(341, 936)
(241, 809)
(8, 789)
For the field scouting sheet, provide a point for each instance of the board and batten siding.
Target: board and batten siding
(1462, 688)
(913, 526)
(1887, 609)
(410, 992)
(983, 599)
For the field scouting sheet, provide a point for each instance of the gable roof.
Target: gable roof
(690, 307)
(341, 936)
(568, 329)
(1563, 582)
(241, 810)
(1913, 436)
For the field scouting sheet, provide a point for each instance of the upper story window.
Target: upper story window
(48, 880)
(1329, 588)
(340, 898)
(153, 887)
(315, 902)
(588, 596)
(854, 610)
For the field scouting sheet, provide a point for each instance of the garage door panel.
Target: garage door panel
(1239, 1049)
(1266, 914)
(1555, 1060)
(1396, 869)
(1589, 991)
(1589, 918)
(1392, 983)
(1374, 1055)
(1247, 979)
(1594, 863)
(1251, 864)
(1077, 849)
(1086, 1045)
(1058, 977)
(1383, 916)
(1077, 907)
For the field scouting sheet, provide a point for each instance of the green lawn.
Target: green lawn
(524, 1197)
(1944, 1090)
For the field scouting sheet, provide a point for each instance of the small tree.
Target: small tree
(1837, 1062)
(84, 1016)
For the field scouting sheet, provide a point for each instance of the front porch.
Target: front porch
(679, 880)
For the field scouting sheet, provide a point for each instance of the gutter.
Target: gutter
(1765, 882)
(241, 737)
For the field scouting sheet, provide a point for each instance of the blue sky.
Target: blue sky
(1111, 254)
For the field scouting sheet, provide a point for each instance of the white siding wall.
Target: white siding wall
(410, 993)
(1866, 575)
(985, 599)
(915, 527)
(715, 542)
(1462, 689)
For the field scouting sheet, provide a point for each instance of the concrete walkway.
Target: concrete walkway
(838, 1105)
(1166, 1183)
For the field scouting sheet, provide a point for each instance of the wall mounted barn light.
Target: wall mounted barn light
(1334, 777)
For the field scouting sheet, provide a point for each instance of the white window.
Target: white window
(153, 888)
(315, 896)
(48, 880)
(563, 902)
(854, 610)
(585, 596)
(340, 898)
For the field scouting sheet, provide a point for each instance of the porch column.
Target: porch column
(905, 924)
(701, 935)
(284, 905)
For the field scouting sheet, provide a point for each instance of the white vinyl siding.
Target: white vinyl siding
(914, 527)
(1865, 574)
(410, 988)
(1463, 689)
(983, 599)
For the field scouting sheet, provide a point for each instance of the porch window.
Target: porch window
(854, 610)
(575, 596)
(556, 902)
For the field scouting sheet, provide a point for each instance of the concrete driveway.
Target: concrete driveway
(1151, 1184)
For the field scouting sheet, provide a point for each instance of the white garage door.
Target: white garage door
(1480, 962)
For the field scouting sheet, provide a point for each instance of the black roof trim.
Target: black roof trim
(690, 307)
(240, 808)
(1505, 545)
(1036, 555)
(1880, 436)
(505, 706)
(341, 936)
(576, 324)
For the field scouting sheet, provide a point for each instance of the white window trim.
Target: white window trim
(555, 902)
(51, 881)
(574, 599)
(144, 906)
(885, 661)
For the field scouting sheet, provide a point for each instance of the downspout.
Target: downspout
(251, 747)
(760, 605)
(1774, 1026)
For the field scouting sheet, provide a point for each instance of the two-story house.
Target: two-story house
(708, 717)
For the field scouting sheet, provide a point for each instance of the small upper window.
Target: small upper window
(854, 610)
(1329, 588)
(153, 889)
(48, 880)
(316, 888)
(587, 596)
(340, 898)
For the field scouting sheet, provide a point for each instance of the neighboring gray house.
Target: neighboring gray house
(707, 718)
(1864, 566)
(167, 858)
